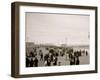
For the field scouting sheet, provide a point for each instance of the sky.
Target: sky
(44, 28)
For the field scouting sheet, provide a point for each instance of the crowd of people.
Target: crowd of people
(50, 58)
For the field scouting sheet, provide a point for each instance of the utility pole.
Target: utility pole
(66, 40)
(88, 35)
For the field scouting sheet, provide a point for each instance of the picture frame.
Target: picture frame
(26, 15)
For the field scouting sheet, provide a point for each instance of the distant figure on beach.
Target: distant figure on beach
(86, 53)
(32, 54)
(35, 52)
(77, 61)
(46, 57)
(36, 62)
(72, 60)
(41, 55)
(48, 62)
(59, 63)
(27, 62)
(55, 60)
(31, 62)
(45, 63)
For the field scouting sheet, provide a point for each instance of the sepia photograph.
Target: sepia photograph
(57, 39)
